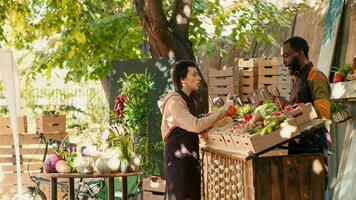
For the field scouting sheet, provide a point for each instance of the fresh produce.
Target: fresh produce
(50, 164)
(231, 111)
(338, 77)
(112, 152)
(125, 166)
(269, 107)
(135, 163)
(246, 109)
(341, 72)
(107, 165)
(272, 124)
(62, 167)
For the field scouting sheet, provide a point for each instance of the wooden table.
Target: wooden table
(72, 176)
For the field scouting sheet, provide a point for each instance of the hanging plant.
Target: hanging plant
(340, 112)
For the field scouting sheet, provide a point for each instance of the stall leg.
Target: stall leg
(124, 188)
(71, 189)
(111, 188)
(53, 188)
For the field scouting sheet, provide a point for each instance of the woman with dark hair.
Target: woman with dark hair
(180, 128)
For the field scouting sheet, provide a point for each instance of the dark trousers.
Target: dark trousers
(182, 182)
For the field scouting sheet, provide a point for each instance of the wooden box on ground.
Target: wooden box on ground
(50, 124)
(5, 125)
(227, 175)
(153, 188)
(221, 82)
(31, 152)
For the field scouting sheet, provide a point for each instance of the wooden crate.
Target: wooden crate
(246, 143)
(272, 70)
(303, 113)
(5, 125)
(214, 140)
(49, 124)
(225, 81)
(246, 88)
(220, 90)
(244, 97)
(221, 82)
(274, 80)
(256, 143)
(153, 188)
(247, 71)
(248, 80)
(248, 63)
(228, 72)
(31, 152)
(274, 61)
(226, 175)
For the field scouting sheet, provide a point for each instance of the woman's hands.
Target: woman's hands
(229, 106)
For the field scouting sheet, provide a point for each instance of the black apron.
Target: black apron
(300, 93)
(181, 161)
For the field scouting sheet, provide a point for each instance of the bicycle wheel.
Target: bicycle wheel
(30, 193)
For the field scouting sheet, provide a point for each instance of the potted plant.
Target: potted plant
(340, 112)
(341, 73)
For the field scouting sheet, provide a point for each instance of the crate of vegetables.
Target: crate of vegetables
(256, 129)
(276, 131)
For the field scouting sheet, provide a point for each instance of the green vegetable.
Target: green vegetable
(273, 125)
(246, 109)
(269, 108)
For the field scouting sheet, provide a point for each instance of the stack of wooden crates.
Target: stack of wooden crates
(31, 154)
(221, 82)
(271, 72)
(247, 73)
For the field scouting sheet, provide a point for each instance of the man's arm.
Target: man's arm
(320, 90)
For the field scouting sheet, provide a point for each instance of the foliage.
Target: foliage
(136, 89)
(93, 33)
(241, 23)
(337, 107)
(344, 69)
(123, 140)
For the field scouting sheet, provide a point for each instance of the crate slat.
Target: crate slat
(274, 61)
(221, 73)
(248, 62)
(30, 138)
(272, 70)
(226, 81)
(220, 90)
(274, 80)
(5, 125)
(24, 167)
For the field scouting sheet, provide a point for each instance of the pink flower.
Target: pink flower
(120, 105)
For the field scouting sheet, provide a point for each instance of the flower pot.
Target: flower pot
(342, 116)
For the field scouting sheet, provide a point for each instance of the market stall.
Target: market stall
(240, 159)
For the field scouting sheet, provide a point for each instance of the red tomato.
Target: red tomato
(231, 111)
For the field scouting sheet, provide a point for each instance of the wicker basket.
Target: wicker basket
(342, 116)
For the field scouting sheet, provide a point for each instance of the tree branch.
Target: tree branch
(156, 26)
(182, 10)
